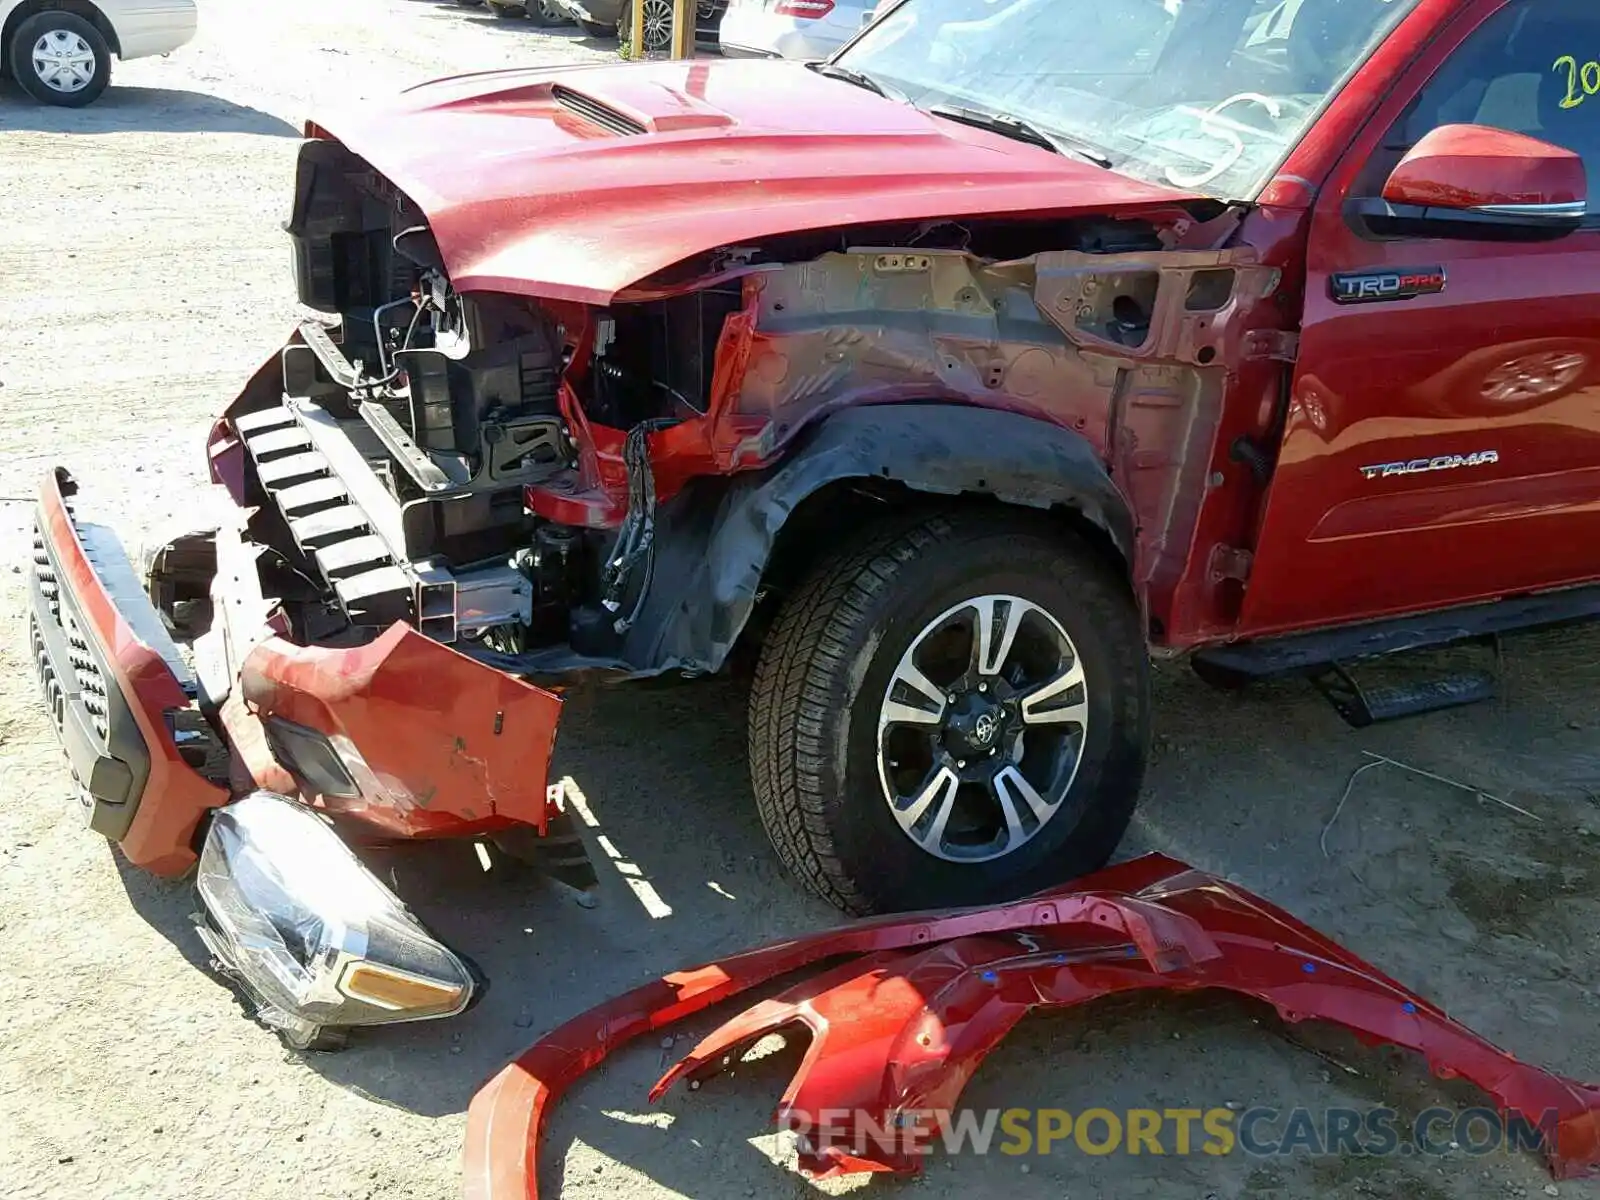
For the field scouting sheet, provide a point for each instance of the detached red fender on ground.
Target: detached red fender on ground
(896, 1034)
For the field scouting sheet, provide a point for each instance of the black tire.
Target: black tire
(65, 24)
(828, 660)
(507, 12)
(597, 30)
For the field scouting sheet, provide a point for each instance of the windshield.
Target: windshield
(1205, 95)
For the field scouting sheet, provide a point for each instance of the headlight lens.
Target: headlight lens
(310, 933)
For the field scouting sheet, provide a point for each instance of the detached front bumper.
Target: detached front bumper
(401, 735)
(265, 747)
(122, 699)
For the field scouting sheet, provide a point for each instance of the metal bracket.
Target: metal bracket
(1230, 562)
(449, 605)
(435, 602)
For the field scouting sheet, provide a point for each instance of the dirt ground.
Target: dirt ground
(144, 277)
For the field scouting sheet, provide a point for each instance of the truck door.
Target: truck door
(1443, 438)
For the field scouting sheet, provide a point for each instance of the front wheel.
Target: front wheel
(951, 713)
(61, 59)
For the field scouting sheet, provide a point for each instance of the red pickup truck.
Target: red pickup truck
(941, 385)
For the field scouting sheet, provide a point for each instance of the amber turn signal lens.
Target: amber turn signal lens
(387, 987)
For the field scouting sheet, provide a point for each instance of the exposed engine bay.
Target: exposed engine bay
(490, 467)
(414, 420)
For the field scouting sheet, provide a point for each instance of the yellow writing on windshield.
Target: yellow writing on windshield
(1583, 79)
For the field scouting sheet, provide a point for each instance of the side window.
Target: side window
(1533, 68)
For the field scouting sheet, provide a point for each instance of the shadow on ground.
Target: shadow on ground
(140, 109)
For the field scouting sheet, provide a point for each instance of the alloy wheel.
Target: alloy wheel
(981, 729)
(657, 25)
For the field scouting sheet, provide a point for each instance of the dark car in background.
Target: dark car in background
(540, 12)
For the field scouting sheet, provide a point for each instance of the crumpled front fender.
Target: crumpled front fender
(896, 1034)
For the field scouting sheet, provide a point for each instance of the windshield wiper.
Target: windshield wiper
(1022, 131)
(861, 79)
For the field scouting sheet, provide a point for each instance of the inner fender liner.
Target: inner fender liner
(898, 1030)
(714, 539)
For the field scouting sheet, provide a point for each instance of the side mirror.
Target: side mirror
(1472, 181)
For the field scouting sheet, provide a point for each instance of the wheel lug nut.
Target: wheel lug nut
(961, 764)
(983, 687)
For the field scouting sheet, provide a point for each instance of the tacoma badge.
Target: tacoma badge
(1420, 466)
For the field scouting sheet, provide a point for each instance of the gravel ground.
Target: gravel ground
(145, 278)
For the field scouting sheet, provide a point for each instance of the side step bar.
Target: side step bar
(1302, 652)
(1328, 656)
(1363, 706)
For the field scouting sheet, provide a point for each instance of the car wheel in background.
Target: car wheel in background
(546, 13)
(657, 25)
(59, 58)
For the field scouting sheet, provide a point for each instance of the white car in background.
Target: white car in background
(804, 29)
(62, 55)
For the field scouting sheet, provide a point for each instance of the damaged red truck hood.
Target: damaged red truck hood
(573, 184)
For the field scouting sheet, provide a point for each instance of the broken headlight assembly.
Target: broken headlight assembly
(310, 937)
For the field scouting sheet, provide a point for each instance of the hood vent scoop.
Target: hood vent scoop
(596, 113)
